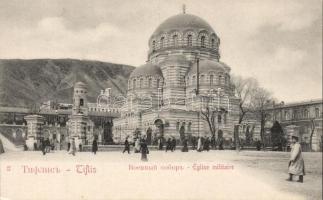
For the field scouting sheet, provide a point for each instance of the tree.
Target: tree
(209, 113)
(244, 89)
(260, 102)
(277, 136)
(312, 122)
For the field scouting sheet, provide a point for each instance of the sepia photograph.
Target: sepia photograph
(161, 100)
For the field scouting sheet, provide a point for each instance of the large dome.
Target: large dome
(147, 69)
(183, 22)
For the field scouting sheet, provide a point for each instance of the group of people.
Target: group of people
(140, 146)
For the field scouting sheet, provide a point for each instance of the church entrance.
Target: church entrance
(160, 127)
(182, 133)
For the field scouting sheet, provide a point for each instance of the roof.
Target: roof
(146, 70)
(181, 22)
(207, 66)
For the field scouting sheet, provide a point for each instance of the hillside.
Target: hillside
(26, 82)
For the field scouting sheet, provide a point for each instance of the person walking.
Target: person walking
(43, 146)
(199, 144)
(173, 146)
(168, 144)
(68, 146)
(193, 140)
(206, 145)
(126, 146)
(73, 147)
(160, 143)
(296, 166)
(137, 146)
(185, 147)
(1, 147)
(144, 150)
(94, 146)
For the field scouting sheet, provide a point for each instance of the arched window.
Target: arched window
(134, 84)
(212, 43)
(175, 40)
(189, 126)
(149, 82)
(189, 40)
(141, 82)
(177, 126)
(203, 41)
(211, 79)
(81, 102)
(220, 80)
(188, 80)
(193, 80)
(219, 118)
(154, 45)
(162, 42)
(202, 79)
(317, 112)
(158, 82)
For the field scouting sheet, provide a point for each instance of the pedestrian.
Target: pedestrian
(199, 144)
(47, 145)
(220, 142)
(213, 142)
(206, 145)
(258, 145)
(72, 147)
(144, 150)
(193, 140)
(173, 147)
(168, 144)
(160, 143)
(126, 146)
(296, 166)
(137, 145)
(185, 147)
(68, 146)
(43, 146)
(1, 147)
(94, 146)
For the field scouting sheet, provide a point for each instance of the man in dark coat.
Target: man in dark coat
(220, 142)
(160, 143)
(213, 142)
(43, 146)
(144, 150)
(173, 144)
(258, 145)
(94, 146)
(1, 147)
(185, 148)
(126, 146)
(168, 144)
(68, 145)
(193, 140)
(206, 146)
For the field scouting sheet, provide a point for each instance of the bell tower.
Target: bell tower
(79, 99)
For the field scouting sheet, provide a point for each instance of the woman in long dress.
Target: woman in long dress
(199, 144)
(137, 146)
(1, 147)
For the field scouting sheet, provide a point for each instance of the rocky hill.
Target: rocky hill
(26, 82)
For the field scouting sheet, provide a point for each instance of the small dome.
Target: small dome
(80, 84)
(207, 66)
(183, 22)
(147, 69)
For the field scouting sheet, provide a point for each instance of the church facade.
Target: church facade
(181, 88)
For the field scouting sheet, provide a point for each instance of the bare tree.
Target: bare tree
(261, 100)
(244, 89)
(312, 122)
(209, 113)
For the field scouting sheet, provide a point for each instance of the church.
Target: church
(183, 89)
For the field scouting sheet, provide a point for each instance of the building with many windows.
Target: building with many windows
(168, 95)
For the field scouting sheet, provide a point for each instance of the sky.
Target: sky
(278, 42)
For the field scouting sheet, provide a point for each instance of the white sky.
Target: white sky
(279, 42)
